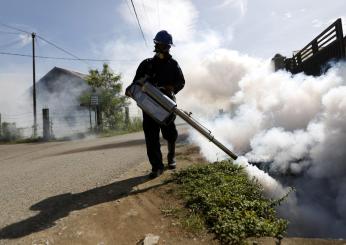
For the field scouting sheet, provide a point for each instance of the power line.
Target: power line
(75, 58)
(14, 42)
(49, 42)
(14, 28)
(128, 6)
(9, 32)
(64, 58)
(61, 49)
(146, 14)
(15, 54)
(139, 24)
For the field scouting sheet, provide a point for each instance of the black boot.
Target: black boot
(155, 173)
(171, 156)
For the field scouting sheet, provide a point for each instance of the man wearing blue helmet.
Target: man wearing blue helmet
(163, 72)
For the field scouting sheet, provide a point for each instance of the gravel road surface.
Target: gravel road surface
(30, 173)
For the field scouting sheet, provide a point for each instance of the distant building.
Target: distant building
(279, 62)
(59, 91)
(318, 55)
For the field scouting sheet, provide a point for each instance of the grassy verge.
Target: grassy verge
(135, 125)
(222, 197)
(110, 133)
(23, 141)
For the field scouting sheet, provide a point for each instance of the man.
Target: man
(163, 72)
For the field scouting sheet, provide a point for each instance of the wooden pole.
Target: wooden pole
(46, 124)
(0, 126)
(33, 35)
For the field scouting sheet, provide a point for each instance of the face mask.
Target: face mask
(161, 48)
(160, 55)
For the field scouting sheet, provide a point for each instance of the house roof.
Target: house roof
(60, 79)
(66, 71)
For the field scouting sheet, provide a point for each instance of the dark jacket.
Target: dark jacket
(162, 73)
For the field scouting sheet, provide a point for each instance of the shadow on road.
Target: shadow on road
(105, 146)
(181, 138)
(56, 207)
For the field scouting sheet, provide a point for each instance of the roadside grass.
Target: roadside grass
(110, 133)
(220, 197)
(135, 125)
(22, 141)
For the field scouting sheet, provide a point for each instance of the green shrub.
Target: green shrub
(134, 125)
(232, 205)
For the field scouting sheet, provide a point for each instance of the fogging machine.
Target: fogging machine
(161, 108)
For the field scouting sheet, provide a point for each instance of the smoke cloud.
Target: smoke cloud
(294, 125)
(59, 93)
(15, 107)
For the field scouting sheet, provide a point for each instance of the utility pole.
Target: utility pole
(33, 35)
(127, 116)
(0, 126)
(46, 124)
(91, 125)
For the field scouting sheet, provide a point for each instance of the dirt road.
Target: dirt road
(94, 191)
(30, 173)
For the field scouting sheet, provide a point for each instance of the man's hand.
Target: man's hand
(169, 88)
(128, 91)
(142, 80)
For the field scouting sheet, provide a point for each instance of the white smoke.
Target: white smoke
(178, 15)
(291, 124)
(59, 92)
(271, 187)
(15, 107)
(67, 117)
(25, 39)
(241, 4)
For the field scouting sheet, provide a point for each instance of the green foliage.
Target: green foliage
(107, 85)
(134, 125)
(193, 222)
(232, 205)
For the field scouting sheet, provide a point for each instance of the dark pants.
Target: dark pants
(152, 139)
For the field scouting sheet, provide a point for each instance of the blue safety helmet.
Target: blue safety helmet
(163, 37)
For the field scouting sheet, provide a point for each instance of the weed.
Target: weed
(170, 212)
(193, 223)
(221, 196)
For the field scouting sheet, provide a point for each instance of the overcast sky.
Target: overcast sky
(107, 29)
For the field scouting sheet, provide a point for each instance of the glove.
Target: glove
(170, 88)
(142, 80)
(128, 91)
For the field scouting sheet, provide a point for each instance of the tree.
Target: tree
(108, 86)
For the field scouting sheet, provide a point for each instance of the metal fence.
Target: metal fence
(313, 58)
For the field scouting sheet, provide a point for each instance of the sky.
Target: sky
(86, 27)
(108, 29)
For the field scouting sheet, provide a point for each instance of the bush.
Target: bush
(232, 205)
(107, 86)
(134, 125)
